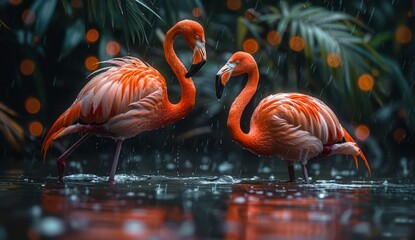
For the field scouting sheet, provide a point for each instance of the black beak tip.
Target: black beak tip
(194, 68)
(219, 86)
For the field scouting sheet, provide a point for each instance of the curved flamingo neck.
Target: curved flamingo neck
(187, 101)
(239, 105)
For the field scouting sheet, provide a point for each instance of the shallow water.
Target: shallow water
(218, 207)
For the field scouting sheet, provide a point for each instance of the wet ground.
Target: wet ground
(221, 207)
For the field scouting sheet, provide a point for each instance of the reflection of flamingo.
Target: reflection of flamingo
(292, 126)
(302, 213)
(130, 97)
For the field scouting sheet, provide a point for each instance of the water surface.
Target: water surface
(217, 207)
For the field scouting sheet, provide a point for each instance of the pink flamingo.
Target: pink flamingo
(292, 126)
(130, 97)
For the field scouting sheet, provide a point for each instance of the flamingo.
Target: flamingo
(292, 126)
(129, 97)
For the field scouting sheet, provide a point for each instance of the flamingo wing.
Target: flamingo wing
(299, 124)
(126, 88)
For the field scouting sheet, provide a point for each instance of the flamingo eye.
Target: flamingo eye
(197, 37)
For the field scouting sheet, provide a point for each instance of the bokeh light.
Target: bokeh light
(366, 82)
(112, 48)
(35, 128)
(402, 113)
(274, 38)
(296, 43)
(233, 4)
(32, 105)
(76, 3)
(27, 67)
(362, 132)
(250, 45)
(28, 17)
(91, 63)
(403, 34)
(92, 35)
(399, 135)
(196, 12)
(334, 60)
(15, 2)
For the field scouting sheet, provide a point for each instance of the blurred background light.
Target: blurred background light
(250, 45)
(92, 35)
(233, 4)
(362, 132)
(196, 12)
(112, 48)
(27, 67)
(35, 128)
(334, 60)
(365, 82)
(296, 43)
(91, 63)
(403, 34)
(274, 38)
(32, 105)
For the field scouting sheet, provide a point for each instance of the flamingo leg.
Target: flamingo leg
(111, 178)
(305, 172)
(291, 172)
(60, 162)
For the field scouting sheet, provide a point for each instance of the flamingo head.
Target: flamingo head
(239, 63)
(194, 35)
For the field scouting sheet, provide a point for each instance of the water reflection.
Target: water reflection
(111, 213)
(158, 207)
(287, 211)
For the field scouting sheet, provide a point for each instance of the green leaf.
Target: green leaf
(74, 34)
(44, 11)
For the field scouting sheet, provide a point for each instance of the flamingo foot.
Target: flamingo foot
(111, 179)
(305, 172)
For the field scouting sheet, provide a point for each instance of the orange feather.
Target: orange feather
(292, 126)
(129, 97)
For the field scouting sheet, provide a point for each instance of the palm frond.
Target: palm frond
(128, 14)
(10, 129)
(329, 32)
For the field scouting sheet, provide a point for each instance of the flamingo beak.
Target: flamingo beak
(222, 77)
(199, 58)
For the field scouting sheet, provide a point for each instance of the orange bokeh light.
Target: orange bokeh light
(250, 45)
(366, 82)
(233, 4)
(92, 35)
(91, 63)
(196, 12)
(399, 134)
(334, 60)
(28, 17)
(32, 105)
(362, 132)
(35, 128)
(15, 2)
(274, 38)
(27, 67)
(403, 34)
(112, 48)
(296, 43)
(76, 3)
